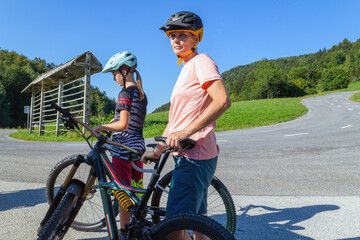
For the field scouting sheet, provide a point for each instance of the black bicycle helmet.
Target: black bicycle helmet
(184, 21)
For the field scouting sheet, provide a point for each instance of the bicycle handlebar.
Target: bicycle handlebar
(67, 114)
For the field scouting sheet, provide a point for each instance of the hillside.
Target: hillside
(296, 76)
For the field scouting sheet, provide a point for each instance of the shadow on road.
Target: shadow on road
(276, 223)
(23, 198)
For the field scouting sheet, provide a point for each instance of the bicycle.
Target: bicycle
(89, 218)
(73, 193)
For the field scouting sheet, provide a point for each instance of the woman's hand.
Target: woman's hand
(174, 138)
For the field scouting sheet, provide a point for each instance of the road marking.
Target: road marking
(295, 134)
(347, 126)
(350, 109)
(222, 140)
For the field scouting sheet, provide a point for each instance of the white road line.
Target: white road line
(350, 109)
(295, 134)
(347, 126)
(222, 140)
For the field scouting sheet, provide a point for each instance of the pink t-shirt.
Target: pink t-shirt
(189, 99)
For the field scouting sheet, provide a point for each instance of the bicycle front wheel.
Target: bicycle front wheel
(52, 229)
(187, 224)
(91, 214)
(220, 204)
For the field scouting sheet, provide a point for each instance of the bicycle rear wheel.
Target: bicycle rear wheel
(190, 223)
(91, 214)
(220, 204)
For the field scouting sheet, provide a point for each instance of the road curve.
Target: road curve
(316, 154)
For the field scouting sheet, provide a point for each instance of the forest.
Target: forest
(16, 72)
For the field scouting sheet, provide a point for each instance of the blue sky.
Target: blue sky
(235, 33)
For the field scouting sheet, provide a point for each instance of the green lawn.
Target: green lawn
(244, 114)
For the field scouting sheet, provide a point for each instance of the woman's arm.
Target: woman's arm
(220, 103)
(117, 126)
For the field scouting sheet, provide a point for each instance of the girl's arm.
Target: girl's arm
(220, 103)
(117, 126)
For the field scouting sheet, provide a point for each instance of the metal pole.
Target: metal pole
(31, 110)
(86, 109)
(41, 109)
(60, 91)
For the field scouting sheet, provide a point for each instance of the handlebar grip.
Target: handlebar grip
(64, 112)
(160, 139)
(187, 143)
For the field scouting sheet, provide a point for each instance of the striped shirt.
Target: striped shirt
(129, 100)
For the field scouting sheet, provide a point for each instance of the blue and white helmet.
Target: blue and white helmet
(119, 59)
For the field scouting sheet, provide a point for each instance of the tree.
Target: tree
(270, 80)
(335, 78)
(5, 107)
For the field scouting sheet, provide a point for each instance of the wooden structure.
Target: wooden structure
(68, 85)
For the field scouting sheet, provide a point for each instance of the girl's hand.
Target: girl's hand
(97, 128)
(148, 155)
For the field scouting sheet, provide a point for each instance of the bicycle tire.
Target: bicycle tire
(219, 201)
(91, 215)
(189, 222)
(58, 218)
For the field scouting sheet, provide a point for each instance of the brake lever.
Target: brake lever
(68, 123)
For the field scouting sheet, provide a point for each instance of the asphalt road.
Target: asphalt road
(295, 180)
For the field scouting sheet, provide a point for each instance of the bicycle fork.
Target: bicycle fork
(72, 186)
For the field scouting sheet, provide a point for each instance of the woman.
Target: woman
(198, 99)
(127, 126)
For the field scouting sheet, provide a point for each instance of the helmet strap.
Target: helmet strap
(187, 54)
(124, 76)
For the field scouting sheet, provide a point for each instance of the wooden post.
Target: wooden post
(59, 102)
(31, 109)
(41, 109)
(86, 109)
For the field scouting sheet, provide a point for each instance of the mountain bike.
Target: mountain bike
(220, 204)
(73, 193)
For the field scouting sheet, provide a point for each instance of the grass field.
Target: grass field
(244, 114)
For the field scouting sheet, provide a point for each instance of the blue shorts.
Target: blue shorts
(189, 185)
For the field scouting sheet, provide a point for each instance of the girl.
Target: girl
(127, 126)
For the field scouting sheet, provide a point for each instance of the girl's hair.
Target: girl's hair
(139, 85)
